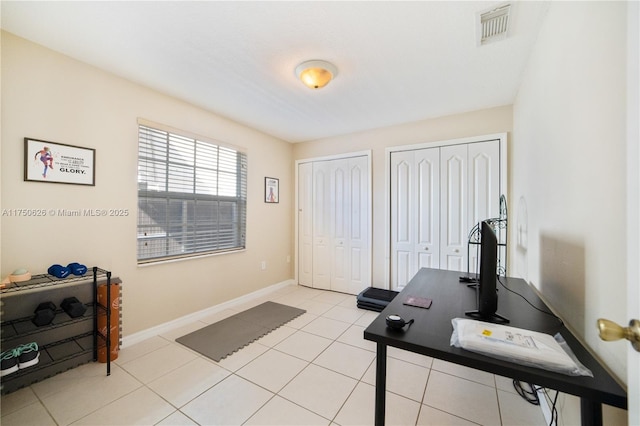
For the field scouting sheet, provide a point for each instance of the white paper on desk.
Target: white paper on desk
(517, 345)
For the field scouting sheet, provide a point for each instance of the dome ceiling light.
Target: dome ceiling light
(316, 74)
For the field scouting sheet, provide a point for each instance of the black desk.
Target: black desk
(431, 333)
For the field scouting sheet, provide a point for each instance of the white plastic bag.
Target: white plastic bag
(517, 345)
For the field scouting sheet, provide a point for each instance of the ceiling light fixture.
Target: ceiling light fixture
(316, 74)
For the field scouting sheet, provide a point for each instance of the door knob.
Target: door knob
(610, 331)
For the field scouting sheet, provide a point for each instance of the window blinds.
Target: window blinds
(191, 196)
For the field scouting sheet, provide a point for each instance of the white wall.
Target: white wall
(48, 96)
(483, 122)
(568, 170)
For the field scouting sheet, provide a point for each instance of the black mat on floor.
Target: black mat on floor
(218, 340)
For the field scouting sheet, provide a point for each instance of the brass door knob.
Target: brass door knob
(610, 331)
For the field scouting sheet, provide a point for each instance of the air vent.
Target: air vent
(494, 24)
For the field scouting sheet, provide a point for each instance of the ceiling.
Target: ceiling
(397, 62)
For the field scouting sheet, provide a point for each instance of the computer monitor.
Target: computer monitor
(487, 289)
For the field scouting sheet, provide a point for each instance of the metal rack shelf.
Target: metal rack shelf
(499, 225)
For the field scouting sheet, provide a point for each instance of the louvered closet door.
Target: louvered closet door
(415, 188)
(321, 225)
(350, 266)
(305, 224)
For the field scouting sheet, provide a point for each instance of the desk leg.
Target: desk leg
(590, 412)
(381, 383)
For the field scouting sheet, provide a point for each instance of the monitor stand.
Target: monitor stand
(494, 317)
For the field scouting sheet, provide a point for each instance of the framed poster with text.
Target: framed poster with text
(58, 163)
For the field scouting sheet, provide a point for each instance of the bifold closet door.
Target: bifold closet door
(415, 222)
(454, 223)
(349, 198)
(305, 224)
(334, 227)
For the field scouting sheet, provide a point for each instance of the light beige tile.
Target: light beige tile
(272, 370)
(303, 345)
(464, 398)
(345, 359)
(332, 297)
(33, 414)
(86, 373)
(276, 336)
(505, 384)
(243, 356)
(319, 390)
(354, 336)
(359, 410)
(326, 327)
(301, 321)
(403, 378)
(188, 381)
(230, 402)
(344, 314)
(412, 357)
(316, 308)
(464, 372)
(141, 407)
(429, 416)
(84, 394)
(159, 362)
(367, 318)
(177, 419)
(129, 353)
(17, 400)
(514, 410)
(280, 412)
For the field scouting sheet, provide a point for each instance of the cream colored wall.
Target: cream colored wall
(483, 122)
(568, 171)
(48, 96)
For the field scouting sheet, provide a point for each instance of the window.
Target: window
(192, 196)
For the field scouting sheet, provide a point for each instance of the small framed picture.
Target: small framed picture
(271, 190)
(58, 163)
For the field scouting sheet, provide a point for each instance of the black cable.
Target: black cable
(531, 396)
(530, 304)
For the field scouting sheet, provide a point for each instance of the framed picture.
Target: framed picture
(271, 190)
(58, 163)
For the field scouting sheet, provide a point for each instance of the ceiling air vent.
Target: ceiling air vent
(494, 24)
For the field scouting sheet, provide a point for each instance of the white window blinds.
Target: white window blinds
(191, 196)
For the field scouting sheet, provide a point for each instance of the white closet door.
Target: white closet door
(454, 221)
(321, 225)
(414, 213)
(305, 224)
(484, 185)
(358, 226)
(340, 214)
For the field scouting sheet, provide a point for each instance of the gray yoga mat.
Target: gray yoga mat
(218, 340)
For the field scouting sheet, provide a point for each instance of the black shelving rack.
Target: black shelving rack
(66, 342)
(499, 225)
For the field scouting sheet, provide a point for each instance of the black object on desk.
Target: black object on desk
(431, 333)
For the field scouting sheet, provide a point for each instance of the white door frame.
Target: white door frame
(502, 137)
(633, 203)
(366, 153)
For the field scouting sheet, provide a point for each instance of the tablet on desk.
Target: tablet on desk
(420, 302)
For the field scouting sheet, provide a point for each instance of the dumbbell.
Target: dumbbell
(73, 307)
(44, 314)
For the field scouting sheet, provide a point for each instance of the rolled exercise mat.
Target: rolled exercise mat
(115, 322)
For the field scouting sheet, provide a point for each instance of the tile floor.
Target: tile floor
(315, 370)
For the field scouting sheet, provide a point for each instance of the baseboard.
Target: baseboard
(544, 406)
(179, 322)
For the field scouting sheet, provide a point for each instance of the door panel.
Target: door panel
(453, 217)
(305, 224)
(321, 226)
